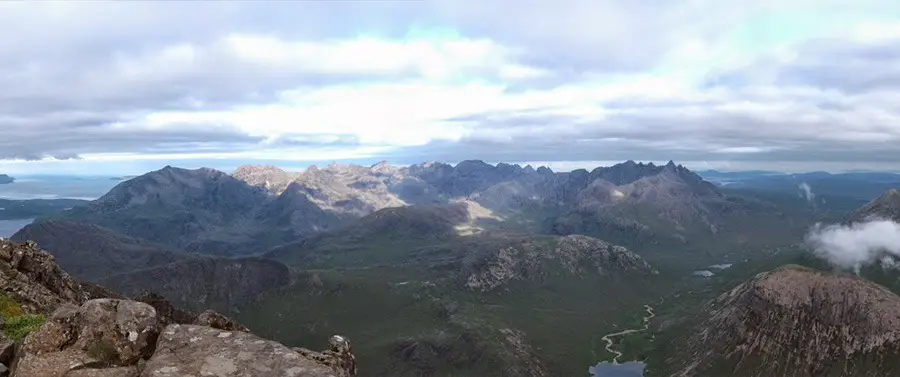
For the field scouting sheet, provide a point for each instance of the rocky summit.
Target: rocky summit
(54, 325)
(796, 321)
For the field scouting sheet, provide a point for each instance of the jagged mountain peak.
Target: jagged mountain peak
(629, 172)
(271, 178)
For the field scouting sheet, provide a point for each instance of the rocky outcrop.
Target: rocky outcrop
(32, 277)
(535, 257)
(186, 350)
(101, 334)
(796, 321)
(85, 335)
(5, 179)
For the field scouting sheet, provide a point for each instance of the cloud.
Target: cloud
(690, 80)
(806, 192)
(856, 245)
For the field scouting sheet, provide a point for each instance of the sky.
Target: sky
(118, 87)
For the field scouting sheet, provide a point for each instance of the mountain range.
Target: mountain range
(211, 212)
(479, 269)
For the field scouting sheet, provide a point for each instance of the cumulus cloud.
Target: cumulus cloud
(856, 245)
(690, 80)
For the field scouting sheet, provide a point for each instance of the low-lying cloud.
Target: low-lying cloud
(857, 245)
(807, 192)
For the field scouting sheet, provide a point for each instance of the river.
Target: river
(627, 369)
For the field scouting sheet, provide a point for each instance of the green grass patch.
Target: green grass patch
(18, 327)
(9, 307)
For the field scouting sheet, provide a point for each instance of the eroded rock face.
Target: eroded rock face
(102, 333)
(33, 278)
(185, 350)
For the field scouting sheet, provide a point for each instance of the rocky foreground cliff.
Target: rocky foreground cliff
(54, 325)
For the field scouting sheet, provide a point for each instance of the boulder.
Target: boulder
(185, 350)
(218, 321)
(169, 314)
(86, 341)
(339, 356)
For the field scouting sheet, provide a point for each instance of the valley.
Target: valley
(608, 338)
(435, 269)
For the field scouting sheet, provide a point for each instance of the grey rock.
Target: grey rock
(129, 371)
(185, 350)
(100, 334)
(218, 321)
(38, 283)
(7, 351)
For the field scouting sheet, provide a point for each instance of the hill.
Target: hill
(195, 210)
(5, 179)
(92, 252)
(794, 321)
(224, 285)
(132, 266)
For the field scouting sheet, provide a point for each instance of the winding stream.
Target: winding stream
(608, 337)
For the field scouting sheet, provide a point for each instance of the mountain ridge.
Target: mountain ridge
(886, 206)
(796, 321)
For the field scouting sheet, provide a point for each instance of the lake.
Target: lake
(10, 227)
(57, 187)
(628, 369)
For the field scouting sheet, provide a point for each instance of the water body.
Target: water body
(10, 227)
(629, 369)
(56, 187)
(626, 369)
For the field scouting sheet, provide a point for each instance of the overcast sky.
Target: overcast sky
(125, 87)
